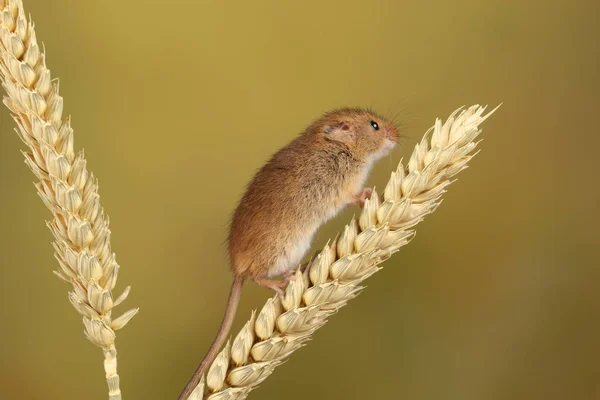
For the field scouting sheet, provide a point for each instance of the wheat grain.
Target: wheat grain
(80, 228)
(335, 275)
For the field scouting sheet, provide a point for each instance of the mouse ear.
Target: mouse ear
(337, 126)
(338, 131)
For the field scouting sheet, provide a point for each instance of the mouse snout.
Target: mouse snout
(391, 133)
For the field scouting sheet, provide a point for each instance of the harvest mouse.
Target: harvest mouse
(301, 187)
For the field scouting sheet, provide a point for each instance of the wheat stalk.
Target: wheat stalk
(336, 274)
(80, 228)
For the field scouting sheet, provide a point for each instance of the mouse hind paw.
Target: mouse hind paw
(278, 285)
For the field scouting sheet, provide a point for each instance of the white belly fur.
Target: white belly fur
(291, 259)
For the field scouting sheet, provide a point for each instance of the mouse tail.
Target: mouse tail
(232, 306)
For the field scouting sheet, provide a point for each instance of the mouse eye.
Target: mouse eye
(375, 125)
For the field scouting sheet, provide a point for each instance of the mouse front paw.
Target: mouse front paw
(362, 196)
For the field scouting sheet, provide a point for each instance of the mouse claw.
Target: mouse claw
(288, 276)
(362, 197)
(280, 293)
(276, 285)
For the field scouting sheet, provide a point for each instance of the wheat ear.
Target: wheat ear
(79, 226)
(336, 274)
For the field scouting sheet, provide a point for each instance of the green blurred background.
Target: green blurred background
(177, 103)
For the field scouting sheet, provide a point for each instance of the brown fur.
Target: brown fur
(294, 192)
(302, 186)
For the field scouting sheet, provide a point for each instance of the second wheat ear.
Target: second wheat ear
(79, 226)
(335, 276)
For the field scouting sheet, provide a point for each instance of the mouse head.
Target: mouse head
(367, 135)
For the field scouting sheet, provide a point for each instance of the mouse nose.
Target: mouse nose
(392, 133)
